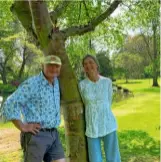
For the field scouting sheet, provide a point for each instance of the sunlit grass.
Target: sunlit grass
(15, 156)
(139, 85)
(139, 113)
(6, 125)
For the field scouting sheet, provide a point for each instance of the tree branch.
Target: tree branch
(59, 9)
(128, 6)
(23, 62)
(22, 10)
(42, 22)
(80, 5)
(80, 30)
(84, 3)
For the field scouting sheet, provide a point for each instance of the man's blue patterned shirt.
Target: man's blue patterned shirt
(35, 101)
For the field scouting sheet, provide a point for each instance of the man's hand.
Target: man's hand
(31, 127)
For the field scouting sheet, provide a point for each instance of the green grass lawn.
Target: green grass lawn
(139, 85)
(141, 111)
(138, 120)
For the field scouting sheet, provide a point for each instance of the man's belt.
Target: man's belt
(47, 129)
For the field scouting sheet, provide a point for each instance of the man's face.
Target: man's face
(51, 70)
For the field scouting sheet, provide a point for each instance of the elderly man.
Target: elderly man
(34, 108)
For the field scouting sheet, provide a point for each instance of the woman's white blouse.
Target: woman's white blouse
(97, 97)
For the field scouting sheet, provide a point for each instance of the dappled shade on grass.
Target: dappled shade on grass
(135, 144)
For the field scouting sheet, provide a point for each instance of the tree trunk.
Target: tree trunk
(4, 80)
(155, 78)
(155, 66)
(52, 42)
(71, 102)
(126, 80)
(126, 76)
(3, 76)
(23, 64)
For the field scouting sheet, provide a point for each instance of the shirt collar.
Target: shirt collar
(100, 77)
(44, 80)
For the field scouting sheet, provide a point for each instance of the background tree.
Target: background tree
(138, 44)
(77, 47)
(6, 28)
(144, 16)
(105, 64)
(129, 64)
(13, 46)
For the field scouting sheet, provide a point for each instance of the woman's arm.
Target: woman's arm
(110, 91)
(80, 86)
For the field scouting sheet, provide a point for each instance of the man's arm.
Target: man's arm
(11, 109)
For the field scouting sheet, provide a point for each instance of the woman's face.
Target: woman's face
(90, 66)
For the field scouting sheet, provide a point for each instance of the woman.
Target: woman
(96, 92)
